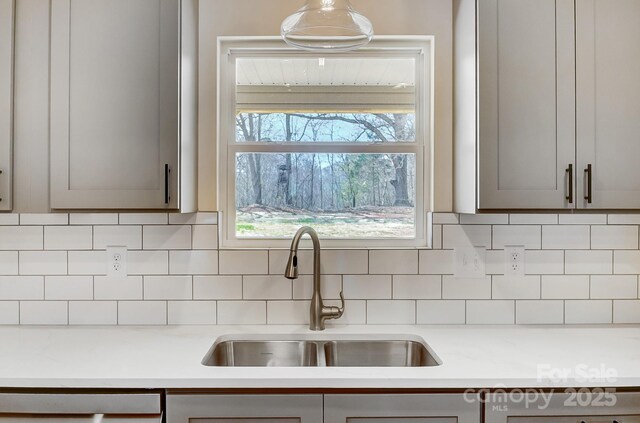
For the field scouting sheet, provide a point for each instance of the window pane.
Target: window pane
(325, 127)
(341, 195)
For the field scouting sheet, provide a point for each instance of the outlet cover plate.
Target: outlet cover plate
(514, 261)
(116, 262)
(469, 262)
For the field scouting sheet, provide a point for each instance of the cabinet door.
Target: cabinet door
(244, 408)
(608, 102)
(114, 103)
(401, 408)
(526, 104)
(7, 8)
(584, 406)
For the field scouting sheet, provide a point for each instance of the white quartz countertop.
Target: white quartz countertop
(170, 357)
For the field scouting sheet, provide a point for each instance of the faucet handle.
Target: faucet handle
(341, 308)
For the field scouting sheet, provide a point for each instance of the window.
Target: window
(340, 142)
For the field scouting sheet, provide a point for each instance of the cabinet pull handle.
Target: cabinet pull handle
(0, 174)
(570, 172)
(167, 198)
(589, 172)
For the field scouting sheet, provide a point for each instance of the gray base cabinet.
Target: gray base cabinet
(582, 406)
(244, 408)
(401, 408)
(372, 408)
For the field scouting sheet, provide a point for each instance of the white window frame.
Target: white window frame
(231, 48)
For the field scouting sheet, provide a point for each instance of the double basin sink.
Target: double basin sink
(398, 351)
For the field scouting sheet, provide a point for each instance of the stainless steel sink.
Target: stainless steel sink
(269, 353)
(384, 353)
(357, 352)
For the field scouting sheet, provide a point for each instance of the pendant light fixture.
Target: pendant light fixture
(327, 25)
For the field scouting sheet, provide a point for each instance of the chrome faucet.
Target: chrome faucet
(318, 312)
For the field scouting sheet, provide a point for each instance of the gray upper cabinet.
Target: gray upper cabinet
(116, 107)
(526, 102)
(547, 104)
(608, 102)
(7, 19)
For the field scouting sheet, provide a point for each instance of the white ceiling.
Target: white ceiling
(334, 71)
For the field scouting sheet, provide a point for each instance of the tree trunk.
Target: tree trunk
(400, 183)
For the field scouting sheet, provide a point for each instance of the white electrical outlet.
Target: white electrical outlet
(116, 262)
(469, 262)
(514, 260)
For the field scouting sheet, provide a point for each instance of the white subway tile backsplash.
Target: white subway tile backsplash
(217, 287)
(93, 313)
(593, 262)
(288, 312)
(614, 286)
(466, 236)
(626, 262)
(624, 219)
(244, 262)
(8, 262)
(68, 288)
(436, 262)
(200, 218)
(166, 237)
(524, 235)
(397, 262)
(87, 262)
(9, 219)
(52, 271)
(148, 262)
(44, 313)
(539, 312)
(412, 287)
(559, 237)
(44, 219)
(494, 312)
(142, 312)
(127, 236)
(93, 219)
(9, 312)
(582, 219)
(484, 219)
(441, 312)
(626, 311)
(565, 287)
(143, 218)
(515, 288)
(330, 286)
(544, 262)
(338, 262)
(445, 218)
(191, 313)
(588, 312)
(21, 238)
(195, 262)
(465, 289)
(242, 312)
(109, 288)
(68, 237)
(42, 262)
(205, 237)
(365, 287)
(399, 312)
(21, 288)
(272, 287)
(611, 237)
(168, 287)
(533, 219)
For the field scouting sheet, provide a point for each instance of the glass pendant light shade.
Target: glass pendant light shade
(327, 25)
